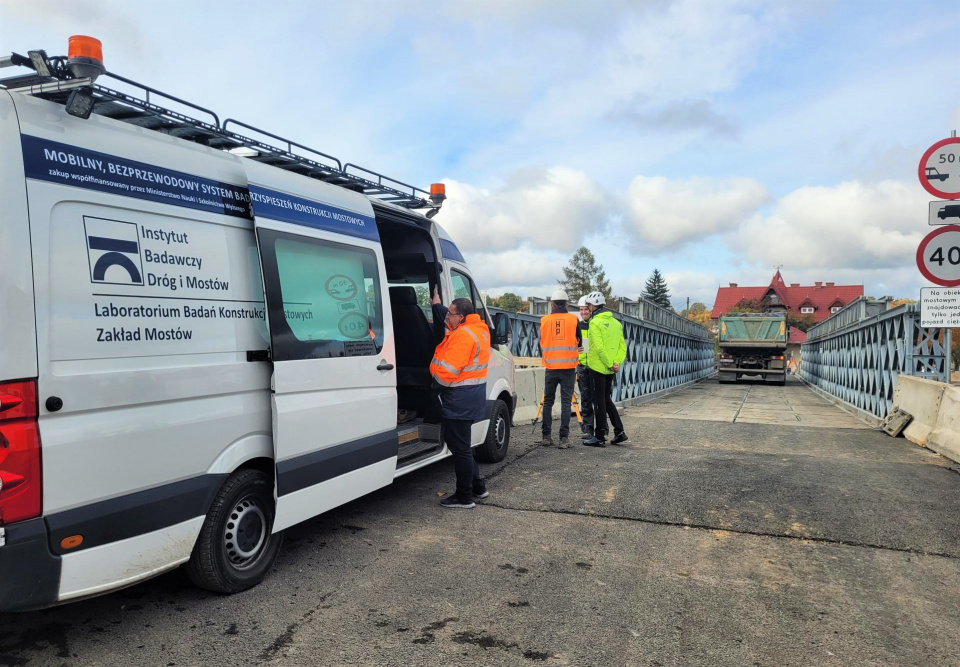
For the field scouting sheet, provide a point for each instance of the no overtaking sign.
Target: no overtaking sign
(939, 169)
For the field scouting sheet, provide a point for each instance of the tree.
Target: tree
(802, 322)
(509, 301)
(695, 308)
(698, 313)
(747, 306)
(900, 302)
(423, 295)
(583, 275)
(656, 290)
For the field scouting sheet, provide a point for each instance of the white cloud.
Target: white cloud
(646, 63)
(667, 213)
(547, 208)
(520, 269)
(851, 225)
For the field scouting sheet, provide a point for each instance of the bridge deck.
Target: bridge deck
(751, 403)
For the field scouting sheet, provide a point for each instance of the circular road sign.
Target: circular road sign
(938, 256)
(939, 169)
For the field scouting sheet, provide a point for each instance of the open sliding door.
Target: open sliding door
(331, 342)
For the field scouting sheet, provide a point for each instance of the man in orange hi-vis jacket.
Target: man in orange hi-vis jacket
(559, 346)
(459, 368)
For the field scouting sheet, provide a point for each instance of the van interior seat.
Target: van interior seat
(414, 338)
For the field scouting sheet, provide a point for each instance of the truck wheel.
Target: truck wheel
(494, 448)
(236, 547)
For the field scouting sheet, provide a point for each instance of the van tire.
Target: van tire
(217, 563)
(494, 448)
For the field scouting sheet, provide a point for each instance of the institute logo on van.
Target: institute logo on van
(113, 250)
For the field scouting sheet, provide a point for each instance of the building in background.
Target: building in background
(818, 301)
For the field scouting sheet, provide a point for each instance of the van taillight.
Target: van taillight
(20, 479)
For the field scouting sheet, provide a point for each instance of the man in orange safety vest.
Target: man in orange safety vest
(559, 346)
(459, 369)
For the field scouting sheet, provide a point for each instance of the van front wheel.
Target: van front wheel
(236, 547)
(494, 448)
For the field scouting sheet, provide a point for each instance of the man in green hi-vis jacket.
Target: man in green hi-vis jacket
(606, 350)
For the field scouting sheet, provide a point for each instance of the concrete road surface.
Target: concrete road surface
(724, 534)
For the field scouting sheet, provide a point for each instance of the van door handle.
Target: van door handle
(385, 367)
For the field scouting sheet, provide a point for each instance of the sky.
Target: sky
(714, 140)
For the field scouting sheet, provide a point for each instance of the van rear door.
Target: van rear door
(334, 377)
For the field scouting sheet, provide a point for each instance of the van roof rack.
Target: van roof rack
(53, 80)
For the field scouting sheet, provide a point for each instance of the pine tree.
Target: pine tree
(583, 275)
(656, 289)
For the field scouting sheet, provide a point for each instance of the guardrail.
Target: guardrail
(858, 353)
(664, 350)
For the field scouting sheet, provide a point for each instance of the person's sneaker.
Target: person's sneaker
(546, 440)
(480, 492)
(456, 502)
(564, 443)
(620, 437)
(594, 442)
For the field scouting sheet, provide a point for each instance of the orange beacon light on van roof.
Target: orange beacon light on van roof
(85, 56)
(81, 46)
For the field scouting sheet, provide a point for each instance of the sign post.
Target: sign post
(938, 256)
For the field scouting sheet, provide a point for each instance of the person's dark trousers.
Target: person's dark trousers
(564, 378)
(602, 386)
(586, 401)
(457, 434)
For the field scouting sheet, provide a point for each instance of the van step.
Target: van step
(430, 432)
(417, 450)
(408, 434)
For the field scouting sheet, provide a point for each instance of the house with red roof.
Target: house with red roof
(819, 300)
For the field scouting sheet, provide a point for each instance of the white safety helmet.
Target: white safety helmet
(595, 299)
(559, 294)
(582, 302)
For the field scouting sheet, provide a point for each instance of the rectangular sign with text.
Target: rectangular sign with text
(940, 307)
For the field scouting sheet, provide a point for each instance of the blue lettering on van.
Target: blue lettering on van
(56, 162)
(299, 211)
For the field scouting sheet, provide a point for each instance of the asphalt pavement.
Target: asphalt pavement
(737, 538)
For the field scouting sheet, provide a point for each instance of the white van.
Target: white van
(198, 349)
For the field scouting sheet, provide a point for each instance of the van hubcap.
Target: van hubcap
(501, 432)
(246, 533)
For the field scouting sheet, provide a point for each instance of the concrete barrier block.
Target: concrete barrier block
(920, 398)
(529, 387)
(944, 439)
(530, 383)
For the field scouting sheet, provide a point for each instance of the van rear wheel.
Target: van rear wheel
(236, 547)
(494, 448)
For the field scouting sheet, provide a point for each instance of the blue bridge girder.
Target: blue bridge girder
(858, 353)
(664, 350)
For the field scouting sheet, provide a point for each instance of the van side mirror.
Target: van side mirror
(501, 329)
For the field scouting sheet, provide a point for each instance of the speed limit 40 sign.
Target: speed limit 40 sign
(938, 256)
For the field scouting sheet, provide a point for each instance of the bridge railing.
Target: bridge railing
(664, 350)
(858, 353)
